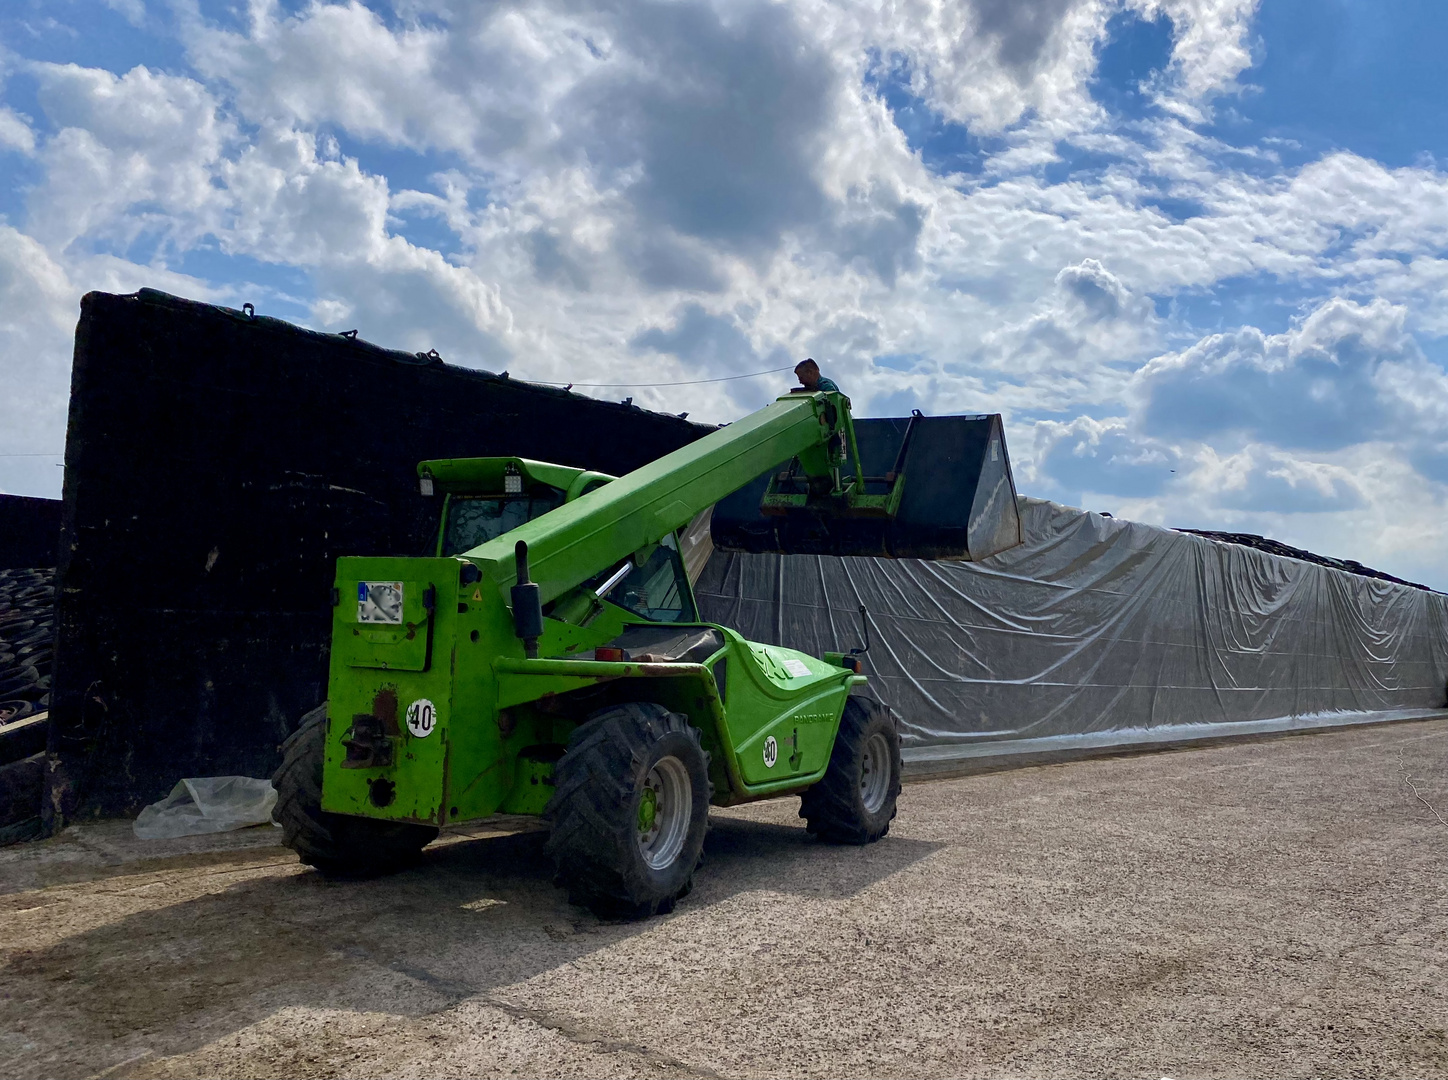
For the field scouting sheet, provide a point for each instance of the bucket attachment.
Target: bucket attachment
(936, 487)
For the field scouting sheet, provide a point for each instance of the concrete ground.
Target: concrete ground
(1269, 908)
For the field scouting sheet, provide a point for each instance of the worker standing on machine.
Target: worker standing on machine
(808, 374)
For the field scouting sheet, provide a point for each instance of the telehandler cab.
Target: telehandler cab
(548, 659)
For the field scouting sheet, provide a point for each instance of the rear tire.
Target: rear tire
(629, 811)
(855, 801)
(336, 844)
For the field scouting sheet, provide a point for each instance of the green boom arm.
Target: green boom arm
(573, 543)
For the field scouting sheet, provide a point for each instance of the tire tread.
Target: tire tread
(831, 808)
(591, 809)
(335, 844)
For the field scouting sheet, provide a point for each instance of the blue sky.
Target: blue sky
(1195, 250)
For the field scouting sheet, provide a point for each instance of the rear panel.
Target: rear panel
(390, 688)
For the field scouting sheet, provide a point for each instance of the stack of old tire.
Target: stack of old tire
(27, 634)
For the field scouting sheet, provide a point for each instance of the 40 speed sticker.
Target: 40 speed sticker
(771, 752)
(421, 718)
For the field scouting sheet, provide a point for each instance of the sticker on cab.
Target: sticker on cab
(379, 602)
(771, 752)
(797, 669)
(421, 718)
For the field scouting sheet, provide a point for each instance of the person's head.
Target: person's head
(808, 374)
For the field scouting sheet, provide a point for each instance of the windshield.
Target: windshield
(658, 590)
(474, 520)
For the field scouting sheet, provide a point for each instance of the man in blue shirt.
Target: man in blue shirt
(808, 374)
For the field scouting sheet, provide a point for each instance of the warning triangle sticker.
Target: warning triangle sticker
(478, 593)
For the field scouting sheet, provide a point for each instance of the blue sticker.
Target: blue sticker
(361, 592)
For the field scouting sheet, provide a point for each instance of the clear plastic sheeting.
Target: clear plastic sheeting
(207, 804)
(1097, 632)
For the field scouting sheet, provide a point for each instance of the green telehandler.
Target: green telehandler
(548, 659)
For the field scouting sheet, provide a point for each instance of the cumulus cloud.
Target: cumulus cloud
(15, 132)
(1211, 46)
(341, 64)
(668, 191)
(1340, 420)
(1348, 373)
(37, 320)
(1101, 456)
(138, 140)
(986, 63)
(715, 126)
(712, 345)
(1264, 479)
(1068, 349)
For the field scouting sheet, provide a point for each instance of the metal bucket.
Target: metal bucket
(957, 499)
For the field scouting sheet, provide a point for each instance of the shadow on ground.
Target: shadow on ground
(472, 916)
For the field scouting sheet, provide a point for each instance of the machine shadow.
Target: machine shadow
(472, 916)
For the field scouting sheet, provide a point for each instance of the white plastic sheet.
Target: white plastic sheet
(207, 804)
(1099, 632)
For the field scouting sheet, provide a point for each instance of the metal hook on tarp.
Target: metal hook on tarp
(249, 310)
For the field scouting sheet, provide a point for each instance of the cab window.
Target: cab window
(657, 589)
(474, 520)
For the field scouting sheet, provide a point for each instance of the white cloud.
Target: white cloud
(1349, 373)
(133, 154)
(133, 11)
(663, 192)
(1211, 46)
(1330, 436)
(15, 132)
(38, 310)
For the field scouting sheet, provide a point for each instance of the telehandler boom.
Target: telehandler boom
(548, 658)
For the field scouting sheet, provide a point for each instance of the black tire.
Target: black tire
(836, 809)
(11, 711)
(598, 844)
(22, 736)
(33, 637)
(335, 844)
(18, 685)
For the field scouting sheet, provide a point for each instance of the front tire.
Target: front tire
(336, 844)
(854, 802)
(629, 810)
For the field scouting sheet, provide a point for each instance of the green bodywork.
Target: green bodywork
(498, 720)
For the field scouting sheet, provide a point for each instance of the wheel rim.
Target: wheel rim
(665, 806)
(875, 773)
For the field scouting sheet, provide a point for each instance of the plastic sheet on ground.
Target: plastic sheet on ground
(1097, 632)
(208, 804)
